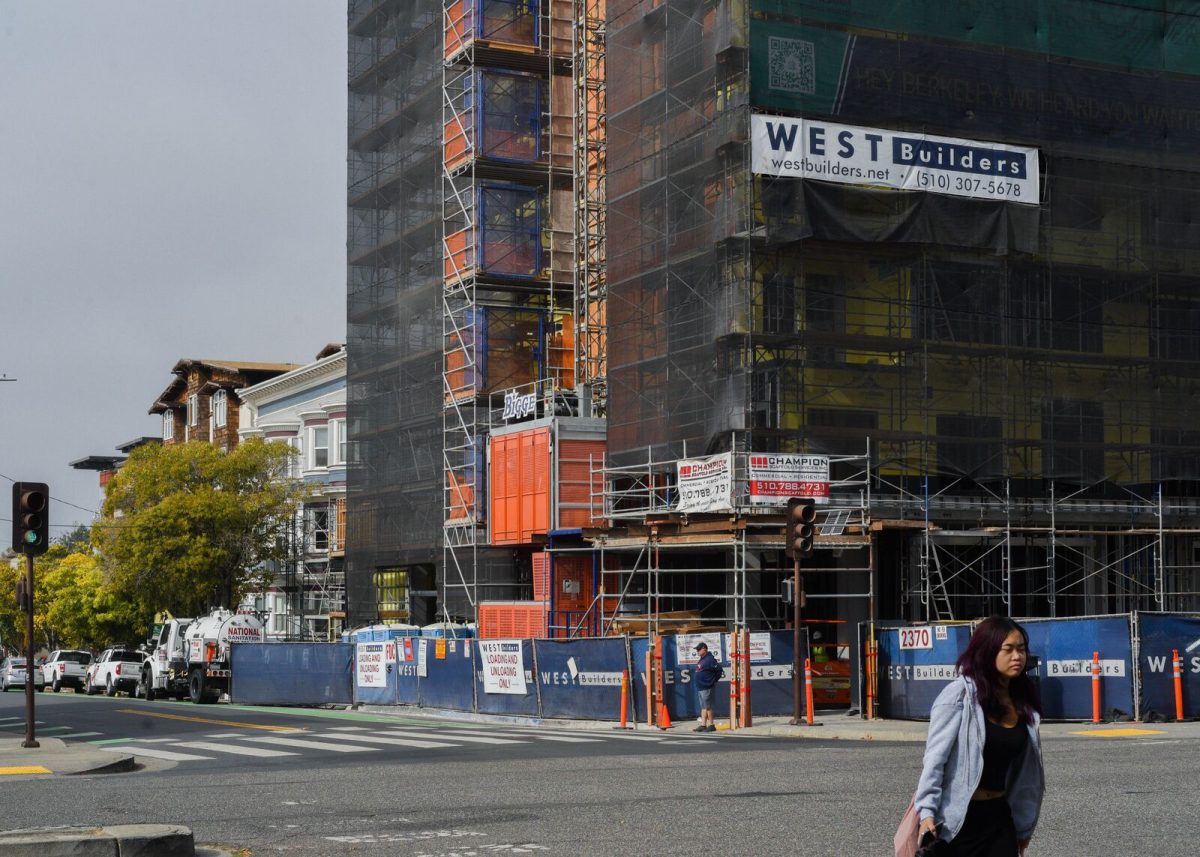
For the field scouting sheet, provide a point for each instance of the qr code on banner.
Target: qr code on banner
(793, 65)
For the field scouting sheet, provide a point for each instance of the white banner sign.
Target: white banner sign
(371, 664)
(848, 154)
(503, 666)
(773, 477)
(423, 658)
(705, 484)
(685, 647)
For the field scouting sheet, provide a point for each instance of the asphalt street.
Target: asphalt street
(323, 784)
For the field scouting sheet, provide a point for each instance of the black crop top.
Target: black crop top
(1002, 745)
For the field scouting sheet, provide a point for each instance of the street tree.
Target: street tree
(188, 526)
(79, 607)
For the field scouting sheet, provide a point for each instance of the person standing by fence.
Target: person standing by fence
(705, 675)
(982, 781)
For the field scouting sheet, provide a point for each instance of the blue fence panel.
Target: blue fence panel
(770, 677)
(292, 673)
(1064, 649)
(1159, 634)
(638, 646)
(374, 663)
(448, 682)
(581, 678)
(507, 703)
(911, 678)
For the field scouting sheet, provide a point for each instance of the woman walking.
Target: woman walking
(981, 786)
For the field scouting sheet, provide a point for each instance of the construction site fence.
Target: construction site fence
(292, 673)
(570, 679)
(915, 662)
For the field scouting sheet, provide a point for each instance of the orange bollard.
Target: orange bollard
(734, 666)
(649, 688)
(1095, 687)
(624, 700)
(1177, 664)
(808, 692)
(745, 718)
(870, 705)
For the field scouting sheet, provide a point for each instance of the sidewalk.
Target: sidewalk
(56, 756)
(829, 726)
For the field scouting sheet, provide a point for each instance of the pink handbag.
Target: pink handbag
(906, 833)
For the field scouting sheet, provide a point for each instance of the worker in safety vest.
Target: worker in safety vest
(820, 654)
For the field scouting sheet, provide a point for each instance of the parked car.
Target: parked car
(115, 669)
(12, 674)
(66, 668)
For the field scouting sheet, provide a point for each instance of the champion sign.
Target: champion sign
(848, 154)
(774, 477)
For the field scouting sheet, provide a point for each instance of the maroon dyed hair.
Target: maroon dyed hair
(978, 663)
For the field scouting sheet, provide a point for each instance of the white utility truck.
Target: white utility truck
(189, 658)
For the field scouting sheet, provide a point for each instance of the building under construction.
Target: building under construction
(589, 240)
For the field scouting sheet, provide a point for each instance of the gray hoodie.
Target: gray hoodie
(954, 763)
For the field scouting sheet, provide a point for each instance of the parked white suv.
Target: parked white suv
(114, 670)
(12, 674)
(66, 668)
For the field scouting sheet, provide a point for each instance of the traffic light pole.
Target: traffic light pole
(30, 739)
(797, 661)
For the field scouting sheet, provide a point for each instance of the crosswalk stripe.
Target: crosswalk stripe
(20, 725)
(539, 736)
(399, 742)
(350, 729)
(81, 735)
(2, 719)
(456, 735)
(625, 736)
(233, 748)
(311, 745)
(220, 735)
(155, 753)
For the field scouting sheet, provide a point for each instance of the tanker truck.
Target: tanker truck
(189, 658)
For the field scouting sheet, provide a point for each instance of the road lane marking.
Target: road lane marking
(23, 769)
(144, 713)
(399, 742)
(350, 728)
(310, 745)
(20, 725)
(79, 735)
(237, 750)
(456, 735)
(155, 753)
(1119, 733)
(3, 719)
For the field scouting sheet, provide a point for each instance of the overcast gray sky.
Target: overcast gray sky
(172, 184)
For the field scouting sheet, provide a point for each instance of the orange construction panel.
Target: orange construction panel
(520, 488)
(460, 255)
(541, 576)
(577, 484)
(458, 26)
(456, 142)
(512, 620)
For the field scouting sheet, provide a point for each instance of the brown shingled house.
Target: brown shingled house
(202, 402)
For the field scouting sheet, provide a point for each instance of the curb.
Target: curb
(121, 765)
(118, 840)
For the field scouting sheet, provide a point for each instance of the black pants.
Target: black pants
(987, 831)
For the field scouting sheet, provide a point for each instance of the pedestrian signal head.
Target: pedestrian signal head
(801, 526)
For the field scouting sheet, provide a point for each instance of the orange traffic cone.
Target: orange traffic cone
(664, 716)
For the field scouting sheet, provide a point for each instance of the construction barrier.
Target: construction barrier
(407, 681)
(505, 680)
(581, 678)
(1158, 635)
(770, 673)
(1064, 648)
(915, 663)
(292, 673)
(445, 673)
(376, 673)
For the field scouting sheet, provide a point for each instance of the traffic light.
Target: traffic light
(30, 517)
(801, 526)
